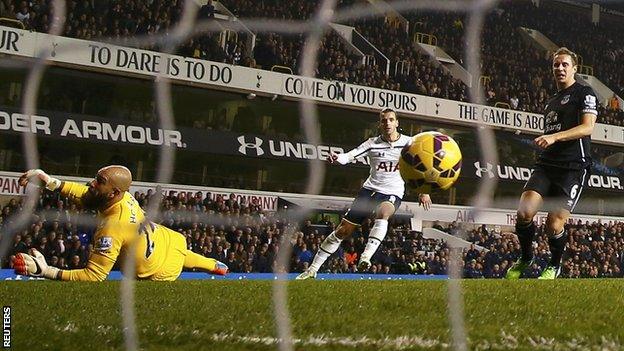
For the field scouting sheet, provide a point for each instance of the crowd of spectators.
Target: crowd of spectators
(119, 20)
(247, 239)
(516, 73)
(611, 116)
(593, 250)
(597, 45)
(420, 74)
(523, 84)
(338, 62)
(90, 19)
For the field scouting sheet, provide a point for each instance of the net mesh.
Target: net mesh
(313, 29)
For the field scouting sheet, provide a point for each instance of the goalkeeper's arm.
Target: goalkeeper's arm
(97, 270)
(49, 182)
(34, 265)
(71, 190)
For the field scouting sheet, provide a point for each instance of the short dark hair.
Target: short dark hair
(386, 110)
(565, 51)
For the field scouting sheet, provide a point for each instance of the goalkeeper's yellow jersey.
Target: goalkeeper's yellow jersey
(120, 226)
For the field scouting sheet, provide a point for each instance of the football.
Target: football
(432, 161)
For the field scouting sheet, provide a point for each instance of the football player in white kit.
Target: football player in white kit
(381, 193)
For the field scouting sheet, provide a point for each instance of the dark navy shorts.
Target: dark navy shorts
(366, 203)
(560, 187)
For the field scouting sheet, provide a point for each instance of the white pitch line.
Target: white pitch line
(506, 341)
(388, 343)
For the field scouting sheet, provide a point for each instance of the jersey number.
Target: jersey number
(573, 191)
(145, 229)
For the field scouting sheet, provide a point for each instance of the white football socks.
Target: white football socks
(376, 236)
(327, 248)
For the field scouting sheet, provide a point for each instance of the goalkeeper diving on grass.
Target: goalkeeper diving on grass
(122, 228)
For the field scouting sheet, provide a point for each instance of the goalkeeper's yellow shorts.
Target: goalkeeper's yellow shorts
(174, 259)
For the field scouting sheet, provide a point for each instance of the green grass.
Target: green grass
(527, 314)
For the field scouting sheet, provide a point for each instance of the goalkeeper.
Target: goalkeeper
(159, 252)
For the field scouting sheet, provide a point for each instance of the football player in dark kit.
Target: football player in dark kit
(562, 168)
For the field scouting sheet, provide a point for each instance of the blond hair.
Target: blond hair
(565, 51)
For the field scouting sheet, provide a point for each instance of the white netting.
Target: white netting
(314, 29)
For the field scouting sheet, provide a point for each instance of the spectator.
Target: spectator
(207, 10)
(495, 273)
(23, 15)
(614, 103)
(351, 256)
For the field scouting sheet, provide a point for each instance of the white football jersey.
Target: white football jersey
(384, 163)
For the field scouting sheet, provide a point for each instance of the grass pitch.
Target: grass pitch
(326, 315)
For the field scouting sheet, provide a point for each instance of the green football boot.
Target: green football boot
(515, 271)
(550, 272)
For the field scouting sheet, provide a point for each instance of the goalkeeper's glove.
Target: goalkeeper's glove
(51, 183)
(34, 265)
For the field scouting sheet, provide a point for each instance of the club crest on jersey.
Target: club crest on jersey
(565, 99)
(104, 243)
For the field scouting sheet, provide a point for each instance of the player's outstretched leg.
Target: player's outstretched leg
(555, 224)
(375, 238)
(526, 233)
(209, 265)
(327, 248)
(557, 246)
(378, 232)
(530, 201)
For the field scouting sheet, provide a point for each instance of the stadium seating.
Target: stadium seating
(246, 238)
(592, 250)
(523, 83)
(517, 74)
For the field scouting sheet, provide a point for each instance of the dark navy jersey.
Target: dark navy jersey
(563, 112)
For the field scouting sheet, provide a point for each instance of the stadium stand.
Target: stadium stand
(523, 84)
(249, 135)
(593, 250)
(601, 55)
(609, 116)
(246, 239)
